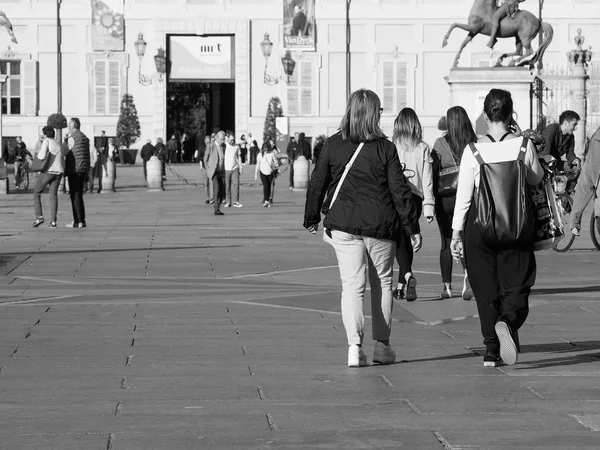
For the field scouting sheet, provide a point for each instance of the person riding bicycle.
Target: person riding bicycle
(587, 187)
(21, 153)
(560, 144)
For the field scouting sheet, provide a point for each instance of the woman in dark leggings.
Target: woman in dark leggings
(448, 151)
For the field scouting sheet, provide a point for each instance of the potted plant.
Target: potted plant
(128, 130)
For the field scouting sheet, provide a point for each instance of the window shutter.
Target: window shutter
(306, 89)
(29, 100)
(292, 92)
(100, 87)
(114, 86)
(401, 85)
(388, 87)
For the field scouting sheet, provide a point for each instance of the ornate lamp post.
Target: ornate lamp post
(160, 61)
(287, 62)
(579, 59)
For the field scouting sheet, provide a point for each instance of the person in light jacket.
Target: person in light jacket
(374, 202)
(588, 183)
(415, 156)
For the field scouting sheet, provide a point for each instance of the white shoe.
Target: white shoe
(227, 205)
(384, 354)
(356, 356)
(237, 205)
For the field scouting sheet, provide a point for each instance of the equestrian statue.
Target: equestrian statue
(505, 21)
(5, 23)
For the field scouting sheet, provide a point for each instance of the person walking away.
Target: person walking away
(415, 157)
(304, 147)
(266, 167)
(233, 170)
(447, 154)
(292, 151)
(208, 186)
(50, 177)
(501, 275)
(215, 169)
(146, 153)
(588, 186)
(243, 150)
(160, 150)
(95, 171)
(367, 202)
(172, 146)
(21, 153)
(77, 165)
(253, 149)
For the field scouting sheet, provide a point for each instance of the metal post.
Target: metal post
(348, 58)
(58, 60)
(540, 36)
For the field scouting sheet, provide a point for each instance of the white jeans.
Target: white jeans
(355, 254)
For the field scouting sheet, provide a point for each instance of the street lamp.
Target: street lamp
(287, 62)
(160, 61)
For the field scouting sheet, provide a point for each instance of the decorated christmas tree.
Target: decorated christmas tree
(274, 110)
(128, 126)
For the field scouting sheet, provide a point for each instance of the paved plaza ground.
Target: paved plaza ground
(161, 326)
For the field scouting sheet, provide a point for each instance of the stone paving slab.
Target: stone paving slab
(163, 326)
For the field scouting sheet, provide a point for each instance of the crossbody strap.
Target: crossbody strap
(523, 150)
(346, 170)
(476, 153)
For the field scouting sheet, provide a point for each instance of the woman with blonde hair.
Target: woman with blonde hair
(415, 157)
(368, 201)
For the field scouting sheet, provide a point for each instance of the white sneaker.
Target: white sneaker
(237, 205)
(356, 356)
(227, 205)
(384, 354)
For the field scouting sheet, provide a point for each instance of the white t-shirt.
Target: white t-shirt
(266, 163)
(491, 152)
(232, 153)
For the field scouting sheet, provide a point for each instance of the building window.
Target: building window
(11, 89)
(107, 87)
(394, 86)
(301, 90)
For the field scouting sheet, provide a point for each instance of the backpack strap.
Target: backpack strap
(489, 136)
(505, 135)
(476, 154)
(523, 149)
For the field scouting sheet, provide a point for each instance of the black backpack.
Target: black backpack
(504, 207)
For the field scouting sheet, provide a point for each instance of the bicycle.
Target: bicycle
(22, 174)
(564, 201)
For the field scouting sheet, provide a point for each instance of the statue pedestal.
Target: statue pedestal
(469, 86)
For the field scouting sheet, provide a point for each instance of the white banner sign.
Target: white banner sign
(201, 58)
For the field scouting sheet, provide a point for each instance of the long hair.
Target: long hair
(361, 120)
(460, 130)
(408, 132)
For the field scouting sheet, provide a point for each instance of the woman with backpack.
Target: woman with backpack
(493, 227)
(447, 154)
(368, 200)
(415, 157)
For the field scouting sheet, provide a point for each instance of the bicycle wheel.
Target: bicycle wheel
(595, 230)
(565, 206)
(26, 181)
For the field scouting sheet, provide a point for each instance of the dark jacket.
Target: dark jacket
(375, 199)
(304, 149)
(77, 160)
(161, 151)
(147, 152)
(558, 144)
(293, 150)
(317, 151)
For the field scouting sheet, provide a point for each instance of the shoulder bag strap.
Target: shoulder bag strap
(523, 150)
(476, 154)
(346, 170)
(489, 136)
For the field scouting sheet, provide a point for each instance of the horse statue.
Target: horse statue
(523, 26)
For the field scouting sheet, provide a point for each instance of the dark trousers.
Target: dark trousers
(145, 170)
(444, 213)
(218, 189)
(501, 280)
(291, 165)
(267, 181)
(404, 250)
(52, 180)
(76, 182)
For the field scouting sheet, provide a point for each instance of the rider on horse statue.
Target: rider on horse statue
(509, 8)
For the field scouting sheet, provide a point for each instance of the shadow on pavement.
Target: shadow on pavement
(114, 250)
(565, 290)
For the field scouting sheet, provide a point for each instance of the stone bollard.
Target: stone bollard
(301, 169)
(108, 179)
(154, 174)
